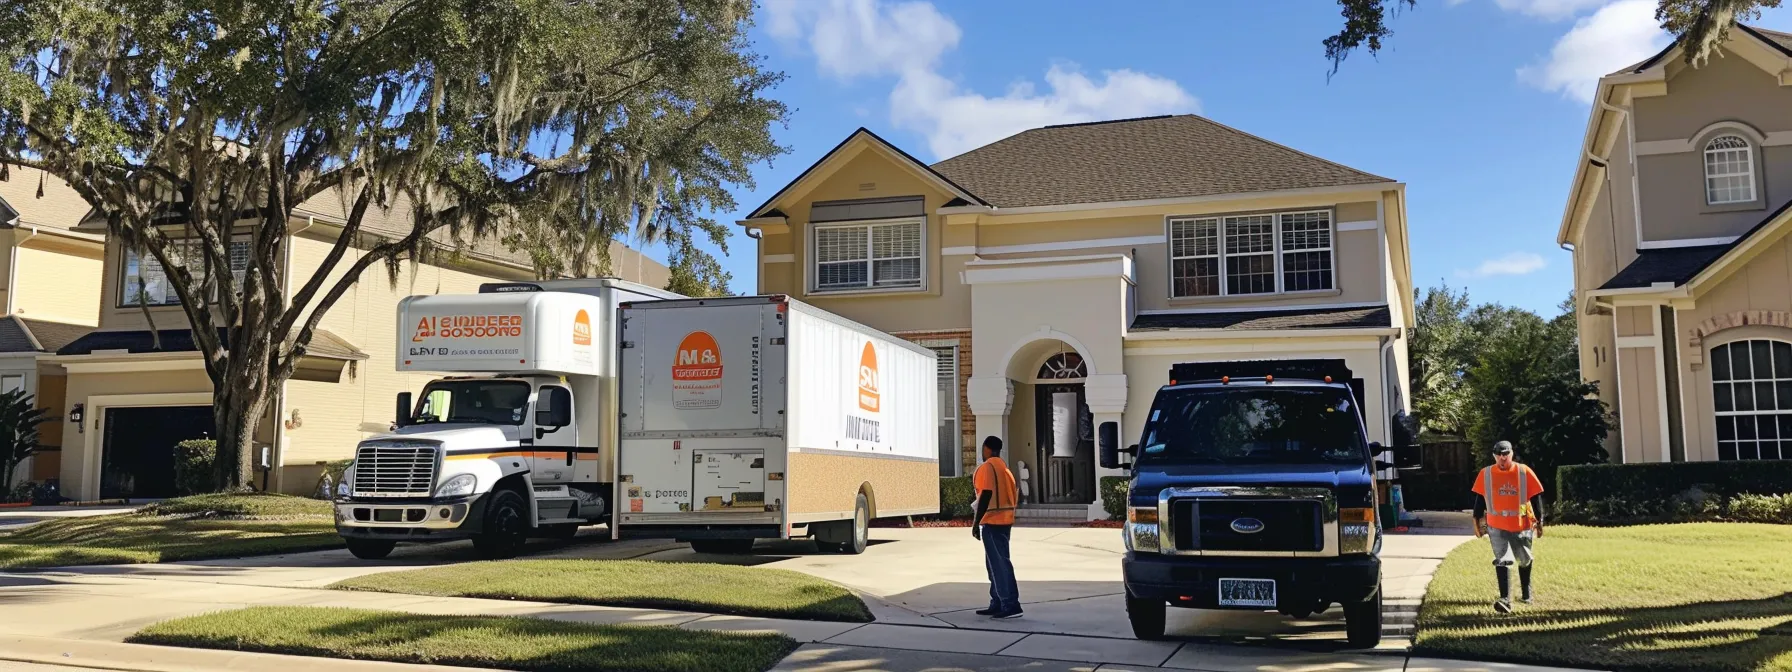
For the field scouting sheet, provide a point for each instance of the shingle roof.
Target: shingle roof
(1255, 320)
(1674, 264)
(1782, 40)
(1137, 159)
(18, 334)
(59, 207)
(1774, 38)
(323, 343)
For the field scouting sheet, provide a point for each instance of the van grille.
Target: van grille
(396, 469)
(1283, 525)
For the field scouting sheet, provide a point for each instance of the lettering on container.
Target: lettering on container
(467, 326)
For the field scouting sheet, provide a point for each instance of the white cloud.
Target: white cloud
(1617, 35)
(854, 38)
(1553, 10)
(1516, 263)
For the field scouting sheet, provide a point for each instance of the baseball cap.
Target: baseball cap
(1502, 448)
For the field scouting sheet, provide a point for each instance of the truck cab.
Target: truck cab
(1253, 487)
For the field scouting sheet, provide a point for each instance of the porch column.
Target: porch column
(991, 398)
(1106, 396)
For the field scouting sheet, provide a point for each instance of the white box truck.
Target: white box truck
(527, 447)
(761, 417)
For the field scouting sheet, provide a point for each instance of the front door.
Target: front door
(1066, 445)
(555, 452)
(137, 455)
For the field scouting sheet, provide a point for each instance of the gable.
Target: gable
(1747, 93)
(870, 160)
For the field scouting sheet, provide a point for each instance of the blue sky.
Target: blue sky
(1478, 106)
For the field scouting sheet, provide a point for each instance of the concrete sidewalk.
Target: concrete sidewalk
(42, 654)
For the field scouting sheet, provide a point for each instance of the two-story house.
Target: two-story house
(1061, 272)
(1677, 218)
(135, 386)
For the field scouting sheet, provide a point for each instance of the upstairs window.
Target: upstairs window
(146, 282)
(1729, 171)
(879, 255)
(1242, 255)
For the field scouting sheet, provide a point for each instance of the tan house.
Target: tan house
(1677, 219)
(1061, 272)
(124, 401)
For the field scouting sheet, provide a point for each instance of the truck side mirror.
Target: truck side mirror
(1110, 445)
(403, 414)
(553, 408)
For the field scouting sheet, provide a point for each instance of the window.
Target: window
(1752, 392)
(144, 278)
(12, 382)
(1729, 171)
(950, 436)
(882, 255)
(1063, 366)
(486, 402)
(1251, 254)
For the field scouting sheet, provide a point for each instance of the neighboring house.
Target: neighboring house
(133, 389)
(1677, 220)
(49, 293)
(1061, 272)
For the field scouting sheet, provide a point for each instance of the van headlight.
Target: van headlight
(1141, 529)
(457, 486)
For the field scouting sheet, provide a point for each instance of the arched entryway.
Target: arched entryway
(1064, 431)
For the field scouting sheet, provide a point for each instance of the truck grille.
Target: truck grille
(1285, 525)
(395, 469)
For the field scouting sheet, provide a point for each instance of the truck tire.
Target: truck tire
(1147, 617)
(1362, 622)
(506, 526)
(722, 546)
(370, 549)
(858, 533)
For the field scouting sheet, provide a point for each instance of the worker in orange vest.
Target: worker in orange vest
(1509, 508)
(991, 524)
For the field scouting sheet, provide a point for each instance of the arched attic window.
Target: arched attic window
(1729, 170)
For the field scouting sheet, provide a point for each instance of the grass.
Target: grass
(189, 528)
(1657, 598)
(711, 588)
(472, 641)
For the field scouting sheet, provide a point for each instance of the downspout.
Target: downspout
(12, 269)
(1636, 196)
(278, 459)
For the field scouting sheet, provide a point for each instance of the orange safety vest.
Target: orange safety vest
(993, 475)
(1508, 495)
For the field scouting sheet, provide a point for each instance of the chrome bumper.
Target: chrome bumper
(443, 515)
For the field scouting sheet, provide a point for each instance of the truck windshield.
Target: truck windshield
(1243, 425)
(491, 402)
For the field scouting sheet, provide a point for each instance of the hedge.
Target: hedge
(1666, 481)
(193, 460)
(1114, 492)
(955, 497)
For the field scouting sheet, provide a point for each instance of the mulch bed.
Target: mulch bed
(920, 522)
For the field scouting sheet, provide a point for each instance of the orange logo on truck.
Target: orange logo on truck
(581, 329)
(468, 326)
(697, 372)
(868, 395)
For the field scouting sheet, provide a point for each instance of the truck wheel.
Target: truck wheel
(506, 526)
(722, 546)
(852, 535)
(1147, 617)
(370, 549)
(1362, 622)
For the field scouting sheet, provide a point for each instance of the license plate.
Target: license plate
(1247, 592)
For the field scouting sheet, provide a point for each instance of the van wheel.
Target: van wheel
(1362, 622)
(370, 549)
(1147, 617)
(722, 546)
(506, 526)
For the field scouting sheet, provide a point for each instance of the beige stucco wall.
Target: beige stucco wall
(58, 280)
(1673, 194)
(81, 446)
(1016, 322)
(1639, 417)
(1748, 94)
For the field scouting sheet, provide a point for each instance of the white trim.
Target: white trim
(1636, 190)
(1047, 333)
(1381, 251)
(779, 258)
(190, 363)
(1304, 346)
(1066, 245)
(1252, 309)
(1365, 225)
(960, 251)
(1043, 260)
(1637, 342)
(1618, 373)
(1661, 387)
(1685, 242)
(1279, 334)
(1118, 266)
(95, 410)
(1371, 187)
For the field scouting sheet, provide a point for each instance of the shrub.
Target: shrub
(1662, 482)
(193, 466)
(24, 492)
(1114, 492)
(955, 497)
(1762, 509)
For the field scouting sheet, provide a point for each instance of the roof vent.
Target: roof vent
(868, 186)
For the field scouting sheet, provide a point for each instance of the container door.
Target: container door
(703, 370)
(730, 479)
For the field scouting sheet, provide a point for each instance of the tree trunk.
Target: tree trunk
(236, 412)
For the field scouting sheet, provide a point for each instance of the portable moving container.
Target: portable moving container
(751, 417)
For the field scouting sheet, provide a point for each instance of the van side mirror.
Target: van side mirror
(1110, 445)
(403, 412)
(553, 409)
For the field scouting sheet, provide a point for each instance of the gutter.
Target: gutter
(1227, 334)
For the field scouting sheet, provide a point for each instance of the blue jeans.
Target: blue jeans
(1004, 593)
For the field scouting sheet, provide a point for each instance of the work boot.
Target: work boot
(1504, 604)
(1524, 584)
(988, 612)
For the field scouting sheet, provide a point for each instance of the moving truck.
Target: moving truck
(761, 417)
(525, 447)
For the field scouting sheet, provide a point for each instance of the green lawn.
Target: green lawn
(719, 589)
(207, 526)
(1698, 596)
(472, 641)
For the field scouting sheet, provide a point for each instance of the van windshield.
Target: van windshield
(1253, 425)
(489, 402)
